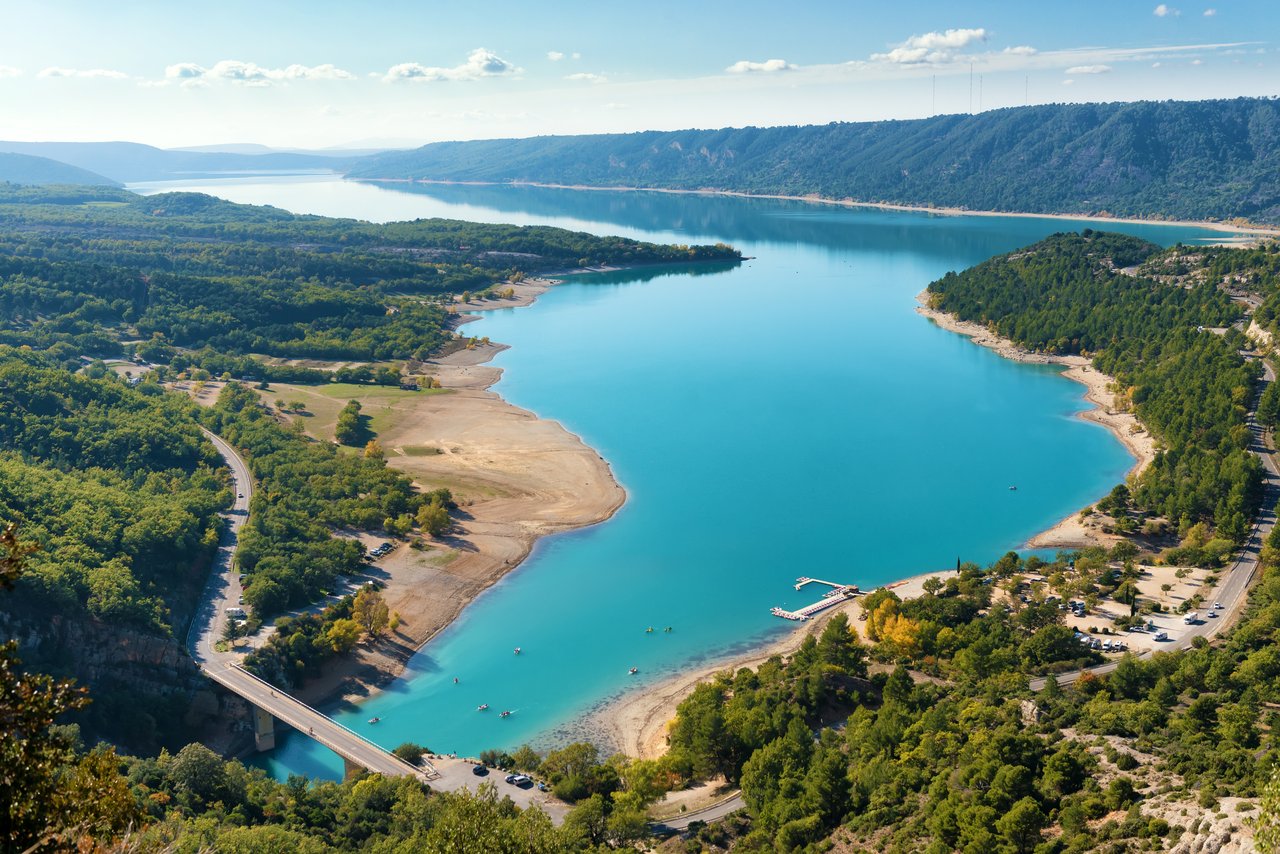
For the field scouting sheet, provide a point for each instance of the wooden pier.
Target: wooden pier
(837, 594)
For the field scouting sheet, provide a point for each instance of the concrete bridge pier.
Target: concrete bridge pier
(264, 730)
(351, 769)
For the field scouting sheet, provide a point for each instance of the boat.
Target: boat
(374, 720)
(667, 629)
(482, 707)
(649, 630)
(505, 714)
(633, 671)
(517, 650)
(1013, 489)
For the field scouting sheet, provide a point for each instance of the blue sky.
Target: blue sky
(326, 73)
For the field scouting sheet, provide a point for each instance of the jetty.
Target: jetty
(837, 594)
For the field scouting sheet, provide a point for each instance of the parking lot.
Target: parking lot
(458, 774)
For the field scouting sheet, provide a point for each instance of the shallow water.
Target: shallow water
(789, 416)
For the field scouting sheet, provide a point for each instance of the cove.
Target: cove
(789, 416)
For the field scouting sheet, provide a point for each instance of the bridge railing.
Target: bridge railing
(289, 698)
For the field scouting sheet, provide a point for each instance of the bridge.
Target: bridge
(270, 704)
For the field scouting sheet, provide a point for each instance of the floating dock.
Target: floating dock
(837, 594)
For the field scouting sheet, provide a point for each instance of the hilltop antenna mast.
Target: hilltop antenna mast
(979, 93)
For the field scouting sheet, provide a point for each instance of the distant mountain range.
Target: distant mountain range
(1173, 159)
(131, 161)
(1159, 160)
(29, 169)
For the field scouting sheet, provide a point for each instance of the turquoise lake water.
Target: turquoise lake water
(789, 416)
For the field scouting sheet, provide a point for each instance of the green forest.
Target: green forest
(1168, 159)
(83, 270)
(1102, 295)
(928, 738)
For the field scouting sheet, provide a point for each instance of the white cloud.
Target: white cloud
(1068, 82)
(1164, 11)
(577, 55)
(10, 71)
(1089, 69)
(107, 73)
(1209, 13)
(746, 66)
(1197, 62)
(555, 55)
(1156, 64)
(588, 77)
(1021, 50)
(252, 74)
(932, 48)
(480, 63)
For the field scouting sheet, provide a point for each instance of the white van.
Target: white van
(237, 613)
(1191, 618)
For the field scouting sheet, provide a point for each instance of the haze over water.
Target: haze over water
(789, 416)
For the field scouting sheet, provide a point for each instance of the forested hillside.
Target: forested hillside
(82, 267)
(1200, 160)
(29, 169)
(1102, 295)
(107, 471)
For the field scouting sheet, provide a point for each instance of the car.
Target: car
(1162, 636)
(480, 771)
(522, 781)
(1211, 614)
(239, 495)
(511, 778)
(240, 600)
(1217, 604)
(543, 787)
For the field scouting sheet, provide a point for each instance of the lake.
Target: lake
(789, 416)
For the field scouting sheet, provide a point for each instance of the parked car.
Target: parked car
(1162, 636)
(480, 771)
(511, 778)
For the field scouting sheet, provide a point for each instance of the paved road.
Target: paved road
(715, 812)
(223, 591)
(1234, 583)
(223, 587)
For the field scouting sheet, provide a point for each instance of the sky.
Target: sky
(325, 74)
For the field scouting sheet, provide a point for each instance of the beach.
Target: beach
(516, 477)
(1073, 531)
(636, 723)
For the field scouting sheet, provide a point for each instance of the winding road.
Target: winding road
(223, 591)
(1233, 586)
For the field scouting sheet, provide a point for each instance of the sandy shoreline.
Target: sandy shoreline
(1259, 230)
(636, 723)
(1071, 532)
(517, 477)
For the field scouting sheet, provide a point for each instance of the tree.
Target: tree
(199, 772)
(1266, 826)
(43, 802)
(411, 752)
(373, 450)
(434, 518)
(343, 635)
(932, 585)
(370, 611)
(1021, 826)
